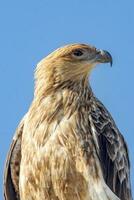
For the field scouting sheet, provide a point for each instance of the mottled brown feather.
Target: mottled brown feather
(70, 148)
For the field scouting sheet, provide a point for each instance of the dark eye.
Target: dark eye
(78, 53)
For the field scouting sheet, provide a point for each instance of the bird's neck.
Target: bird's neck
(67, 102)
(66, 94)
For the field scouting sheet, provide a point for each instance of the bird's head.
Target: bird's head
(70, 63)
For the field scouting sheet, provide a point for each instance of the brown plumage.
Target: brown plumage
(67, 147)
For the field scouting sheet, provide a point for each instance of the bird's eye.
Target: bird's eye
(78, 53)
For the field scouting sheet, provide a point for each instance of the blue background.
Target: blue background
(29, 30)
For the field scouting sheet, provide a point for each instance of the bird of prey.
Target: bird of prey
(67, 146)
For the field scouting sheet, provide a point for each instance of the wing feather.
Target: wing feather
(113, 151)
(11, 171)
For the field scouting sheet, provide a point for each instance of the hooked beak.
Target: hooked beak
(103, 56)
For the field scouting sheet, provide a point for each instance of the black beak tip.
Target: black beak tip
(109, 57)
(111, 63)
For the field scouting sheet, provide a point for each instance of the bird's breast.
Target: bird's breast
(55, 159)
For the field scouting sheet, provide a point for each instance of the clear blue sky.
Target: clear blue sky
(30, 29)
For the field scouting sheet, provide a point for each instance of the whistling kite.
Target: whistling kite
(67, 146)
